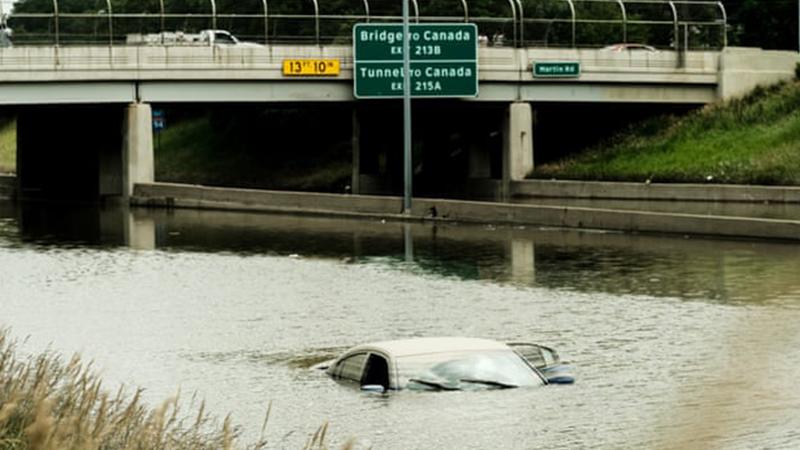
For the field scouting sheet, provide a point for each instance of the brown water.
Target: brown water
(678, 343)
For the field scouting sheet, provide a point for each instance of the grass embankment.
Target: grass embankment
(199, 151)
(753, 140)
(8, 146)
(46, 404)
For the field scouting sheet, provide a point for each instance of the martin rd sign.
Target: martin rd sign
(561, 69)
(444, 60)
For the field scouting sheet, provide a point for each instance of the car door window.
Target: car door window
(351, 367)
(376, 371)
(537, 355)
(222, 38)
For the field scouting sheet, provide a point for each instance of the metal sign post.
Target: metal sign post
(159, 124)
(407, 164)
(444, 63)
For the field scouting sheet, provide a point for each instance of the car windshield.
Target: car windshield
(466, 371)
(224, 38)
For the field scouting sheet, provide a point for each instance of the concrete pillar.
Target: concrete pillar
(517, 144)
(122, 225)
(408, 240)
(523, 262)
(8, 187)
(140, 231)
(138, 164)
(355, 184)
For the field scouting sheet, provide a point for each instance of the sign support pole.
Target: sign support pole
(407, 163)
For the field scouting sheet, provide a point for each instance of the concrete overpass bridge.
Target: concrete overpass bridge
(76, 78)
(177, 74)
(46, 83)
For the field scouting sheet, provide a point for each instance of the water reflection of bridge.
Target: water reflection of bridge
(616, 263)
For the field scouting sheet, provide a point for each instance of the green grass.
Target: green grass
(196, 151)
(8, 146)
(753, 140)
(49, 404)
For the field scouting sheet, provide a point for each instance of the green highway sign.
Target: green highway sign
(551, 69)
(444, 60)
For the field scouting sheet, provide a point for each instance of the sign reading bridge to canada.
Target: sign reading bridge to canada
(444, 60)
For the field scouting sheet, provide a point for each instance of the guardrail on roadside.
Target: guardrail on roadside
(676, 24)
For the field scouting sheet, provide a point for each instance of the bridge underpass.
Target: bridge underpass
(82, 151)
(70, 152)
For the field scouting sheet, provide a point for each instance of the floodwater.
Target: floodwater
(765, 210)
(678, 343)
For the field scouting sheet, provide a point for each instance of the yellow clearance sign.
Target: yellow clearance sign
(311, 67)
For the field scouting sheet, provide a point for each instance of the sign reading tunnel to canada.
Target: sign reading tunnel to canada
(444, 60)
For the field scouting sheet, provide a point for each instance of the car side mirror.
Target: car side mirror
(376, 388)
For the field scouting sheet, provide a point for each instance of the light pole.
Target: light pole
(407, 164)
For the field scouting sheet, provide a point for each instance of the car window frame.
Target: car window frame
(337, 366)
(392, 369)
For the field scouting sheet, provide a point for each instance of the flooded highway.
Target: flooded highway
(781, 211)
(677, 342)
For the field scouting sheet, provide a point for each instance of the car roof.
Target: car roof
(421, 346)
(629, 47)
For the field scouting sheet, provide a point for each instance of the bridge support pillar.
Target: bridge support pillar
(523, 261)
(517, 145)
(139, 231)
(138, 164)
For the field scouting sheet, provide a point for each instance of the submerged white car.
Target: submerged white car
(448, 363)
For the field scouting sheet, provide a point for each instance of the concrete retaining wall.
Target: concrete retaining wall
(741, 69)
(643, 191)
(8, 187)
(183, 196)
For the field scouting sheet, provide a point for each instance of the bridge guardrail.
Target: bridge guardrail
(676, 24)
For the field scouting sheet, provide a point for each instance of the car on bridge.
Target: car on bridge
(221, 38)
(630, 48)
(448, 364)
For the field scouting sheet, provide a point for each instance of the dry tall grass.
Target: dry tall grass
(46, 404)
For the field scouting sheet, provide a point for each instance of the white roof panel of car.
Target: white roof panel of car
(421, 346)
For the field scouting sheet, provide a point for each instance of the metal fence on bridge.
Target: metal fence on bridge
(677, 24)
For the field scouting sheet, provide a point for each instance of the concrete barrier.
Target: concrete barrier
(644, 191)
(8, 187)
(184, 196)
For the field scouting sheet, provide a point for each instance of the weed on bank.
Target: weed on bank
(47, 404)
(750, 140)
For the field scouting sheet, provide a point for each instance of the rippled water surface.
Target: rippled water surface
(678, 343)
(781, 211)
